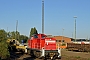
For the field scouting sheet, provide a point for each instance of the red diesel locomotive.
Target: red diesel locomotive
(39, 45)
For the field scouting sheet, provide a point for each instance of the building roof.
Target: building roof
(62, 36)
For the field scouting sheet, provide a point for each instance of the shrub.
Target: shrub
(4, 53)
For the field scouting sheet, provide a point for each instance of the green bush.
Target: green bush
(4, 52)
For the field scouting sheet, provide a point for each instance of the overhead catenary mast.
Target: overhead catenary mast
(16, 29)
(42, 16)
(75, 27)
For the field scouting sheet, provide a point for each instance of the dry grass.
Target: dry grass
(68, 55)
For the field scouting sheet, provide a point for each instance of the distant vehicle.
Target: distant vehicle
(42, 46)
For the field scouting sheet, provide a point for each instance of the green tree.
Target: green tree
(23, 37)
(17, 35)
(14, 35)
(3, 35)
(4, 53)
(33, 31)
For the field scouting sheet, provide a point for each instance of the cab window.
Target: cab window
(35, 36)
(43, 36)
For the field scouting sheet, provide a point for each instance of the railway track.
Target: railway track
(21, 56)
(14, 55)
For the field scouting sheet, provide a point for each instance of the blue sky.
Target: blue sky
(58, 14)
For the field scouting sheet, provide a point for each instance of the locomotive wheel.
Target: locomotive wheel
(38, 54)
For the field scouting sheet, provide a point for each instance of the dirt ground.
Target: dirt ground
(72, 55)
(66, 55)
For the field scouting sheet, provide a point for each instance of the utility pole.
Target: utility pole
(42, 16)
(7, 29)
(75, 27)
(7, 32)
(16, 28)
(72, 34)
(62, 36)
(87, 38)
